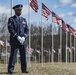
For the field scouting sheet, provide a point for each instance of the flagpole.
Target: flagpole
(61, 44)
(6, 52)
(70, 48)
(35, 57)
(29, 28)
(58, 56)
(11, 4)
(74, 49)
(66, 45)
(68, 60)
(52, 45)
(39, 57)
(49, 55)
(41, 37)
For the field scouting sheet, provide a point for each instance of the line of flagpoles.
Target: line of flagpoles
(31, 50)
(46, 12)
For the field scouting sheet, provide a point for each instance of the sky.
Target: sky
(64, 8)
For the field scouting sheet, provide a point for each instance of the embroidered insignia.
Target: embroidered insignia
(9, 24)
(24, 22)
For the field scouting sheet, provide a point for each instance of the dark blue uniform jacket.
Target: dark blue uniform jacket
(17, 28)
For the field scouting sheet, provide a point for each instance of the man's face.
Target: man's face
(18, 12)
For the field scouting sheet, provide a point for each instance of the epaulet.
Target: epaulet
(23, 18)
(12, 17)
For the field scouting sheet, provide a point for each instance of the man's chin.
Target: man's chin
(18, 14)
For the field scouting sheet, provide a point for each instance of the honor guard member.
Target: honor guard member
(18, 29)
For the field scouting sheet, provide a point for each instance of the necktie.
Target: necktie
(20, 28)
(19, 19)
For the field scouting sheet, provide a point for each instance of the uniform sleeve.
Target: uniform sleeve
(11, 28)
(26, 29)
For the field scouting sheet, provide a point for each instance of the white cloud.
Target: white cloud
(71, 13)
(25, 10)
(61, 15)
(65, 2)
(74, 20)
(55, 6)
(73, 5)
(4, 9)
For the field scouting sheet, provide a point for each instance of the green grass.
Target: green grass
(47, 69)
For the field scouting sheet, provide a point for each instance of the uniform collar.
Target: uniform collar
(18, 16)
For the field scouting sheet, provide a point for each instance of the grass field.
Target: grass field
(47, 69)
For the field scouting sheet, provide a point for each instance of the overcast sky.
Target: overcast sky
(64, 8)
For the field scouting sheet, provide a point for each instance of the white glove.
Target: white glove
(21, 39)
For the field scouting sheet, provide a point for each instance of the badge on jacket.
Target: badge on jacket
(24, 23)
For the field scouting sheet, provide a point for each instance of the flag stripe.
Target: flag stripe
(34, 5)
(64, 26)
(45, 11)
(71, 30)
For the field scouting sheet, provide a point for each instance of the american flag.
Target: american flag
(1, 43)
(71, 30)
(38, 51)
(59, 50)
(60, 22)
(45, 11)
(34, 5)
(29, 50)
(64, 26)
(54, 51)
(46, 51)
(56, 19)
(73, 48)
(69, 49)
(7, 43)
